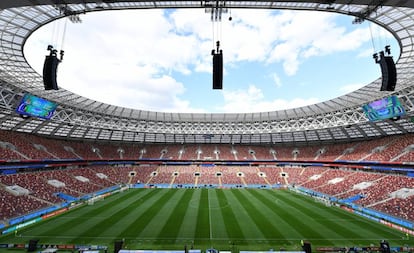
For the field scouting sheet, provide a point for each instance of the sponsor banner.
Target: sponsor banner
(11, 229)
(21, 246)
(401, 249)
(152, 251)
(367, 216)
(346, 249)
(54, 213)
(272, 251)
(90, 247)
(347, 209)
(330, 249)
(41, 246)
(66, 246)
(387, 223)
(402, 229)
(32, 215)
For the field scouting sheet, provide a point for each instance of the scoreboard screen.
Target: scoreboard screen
(31, 105)
(385, 108)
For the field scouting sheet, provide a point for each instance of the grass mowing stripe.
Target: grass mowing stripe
(254, 209)
(164, 211)
(278, 228)
(202, 225)
(365, 226)
(196, 207)
(176, 218)
(332, 224)
(231, 223)
(294, 219)
(63, 224)
(187, 228)
(115, 229)
(146, 212)
(101, 206)
(281, 222)
(91, 227)
(218, 226)
(209, 215)
(356, 237)
(353, 227)
(112, 217)
(308, 219)
(247, 225)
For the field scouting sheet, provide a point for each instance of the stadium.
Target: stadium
(78, 175)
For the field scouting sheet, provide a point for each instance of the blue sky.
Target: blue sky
(160, 60)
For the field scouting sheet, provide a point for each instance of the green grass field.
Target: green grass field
(237, 219)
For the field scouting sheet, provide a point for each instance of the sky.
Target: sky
(160, 60)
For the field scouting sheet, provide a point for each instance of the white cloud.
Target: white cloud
(123, 63)
(310, 34)
(138, 87)
(276, 80)
(351, 87)
(251, 100)
(365, 53)
(130, 58)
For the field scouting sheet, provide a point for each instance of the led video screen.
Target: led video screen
(385, 108)
(31, 105)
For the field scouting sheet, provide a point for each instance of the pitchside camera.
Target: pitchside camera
(385, 246)
(118, 245)
(32, 245)
(306, 246)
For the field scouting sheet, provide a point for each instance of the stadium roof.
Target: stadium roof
(339, 119)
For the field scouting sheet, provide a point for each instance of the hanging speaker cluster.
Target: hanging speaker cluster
(388, 69)
(217, 67)
(50, 69)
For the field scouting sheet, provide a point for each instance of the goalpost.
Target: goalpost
(92, 200)
(322, 200)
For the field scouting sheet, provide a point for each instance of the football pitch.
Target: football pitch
(224, 219)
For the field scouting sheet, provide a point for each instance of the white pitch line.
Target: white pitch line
(209, 214)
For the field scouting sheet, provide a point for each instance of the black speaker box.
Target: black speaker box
(385, 247)
(218, 71)
(118, 246)
(307, 247)
(389, 73)
(49, 72)
(32, 245)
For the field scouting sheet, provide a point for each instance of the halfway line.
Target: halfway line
(209, 214)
